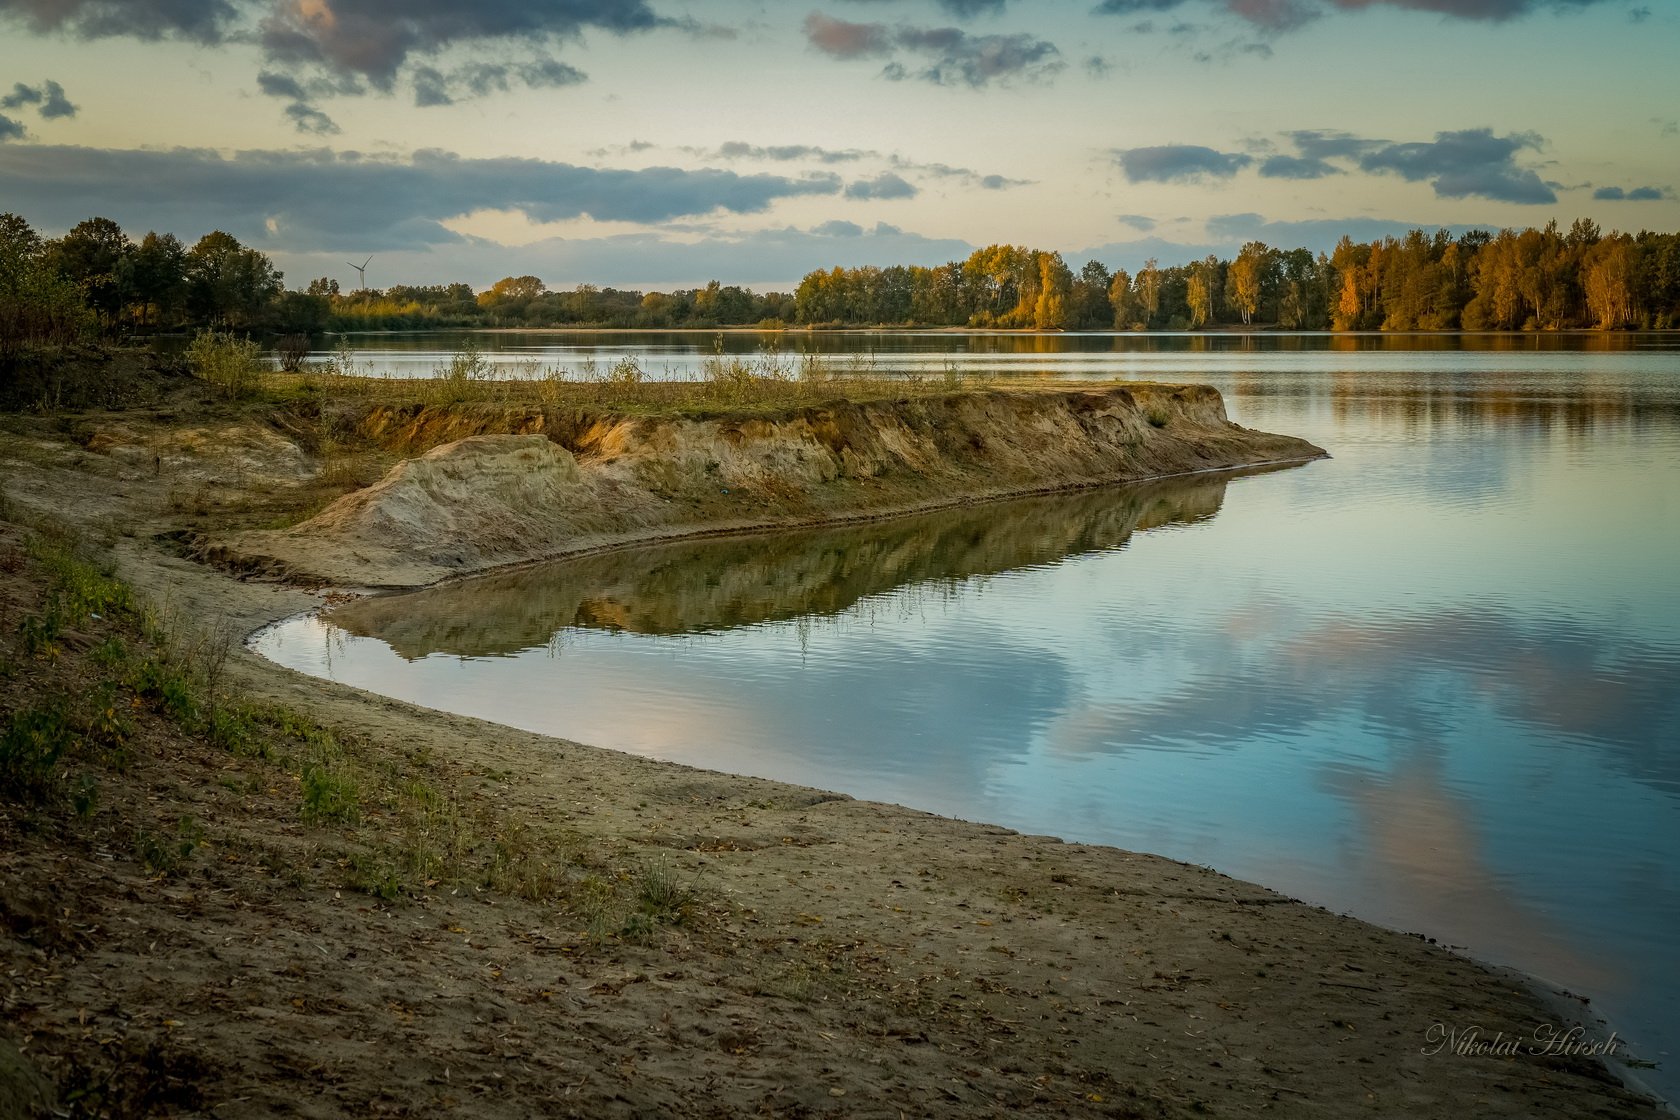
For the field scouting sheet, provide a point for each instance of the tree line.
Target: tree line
(96, 279)
(1534, 279)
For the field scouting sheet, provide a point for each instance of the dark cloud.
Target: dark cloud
(1296, 167)
(1287, 15)
(766, 259)
(739, 149)
(838, 228)
(1637, 194)
(1319, 144)
(281, 85)
(884, 186)
(841, 39)
(1276, 15)
(374, 38)
(1132, 7)
(306, 118)
(1179, 163)
(48, 97)
(323, 200)
(948, 55)
(962, 9)
(1317, 234)
(1467, 9)
(1140, 222)
(10, 129)
(433, 87)
(1469, 163)
(202, 21)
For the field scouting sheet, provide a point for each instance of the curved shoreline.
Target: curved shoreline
(1599, 1037)
(859, 958)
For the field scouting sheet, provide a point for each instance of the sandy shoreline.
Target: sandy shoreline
(853, 958)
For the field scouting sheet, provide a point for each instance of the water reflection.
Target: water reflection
(696, 586)
(682, 354)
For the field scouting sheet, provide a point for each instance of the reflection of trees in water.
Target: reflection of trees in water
(908, 564)
(1485, 399)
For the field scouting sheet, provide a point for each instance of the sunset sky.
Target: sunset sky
(646, 143)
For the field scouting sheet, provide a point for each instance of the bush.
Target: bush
(34, 741)
(232, 365)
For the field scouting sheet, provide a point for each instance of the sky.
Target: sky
(662, 144)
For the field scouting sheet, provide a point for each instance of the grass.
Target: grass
(391, 826)
(767, 381)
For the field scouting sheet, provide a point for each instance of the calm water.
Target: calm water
(1434, 682)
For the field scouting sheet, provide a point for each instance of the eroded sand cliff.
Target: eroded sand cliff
(576, 483)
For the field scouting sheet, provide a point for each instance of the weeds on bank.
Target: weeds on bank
(767, 380)
(388, 826)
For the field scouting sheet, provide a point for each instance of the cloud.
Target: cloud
(1296, 167)
(1317, 234)
(838, 228)
(962, 9)
(1468, 163)
(48, 96)
(374, 38)
(10, 129)
(281, 85)
(1320, 144)
(766, 259)
(948, 55)
(1275, 16)
(1179, 163)
(307, 118)
(1636, 194)
(304, 200)
(1140, 222)
(840, 39)
(886, 185)
(739, 149)
(202, 21)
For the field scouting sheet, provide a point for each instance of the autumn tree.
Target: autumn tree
(1247, 274)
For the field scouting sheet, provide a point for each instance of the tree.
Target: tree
(1611, 266)
(37, 304)
(158, 279)
(1149, 290)
(1247, 273)
(1055, 285)
(1200, 287)
(1088, 305)
(228, 284)
(1128, 309)
(93, 256)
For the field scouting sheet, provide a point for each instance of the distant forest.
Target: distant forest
(97, 280)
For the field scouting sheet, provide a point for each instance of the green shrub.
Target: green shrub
(329, 796)
(35, 740)
(232, 365)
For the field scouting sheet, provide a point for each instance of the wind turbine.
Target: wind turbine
(361, 272)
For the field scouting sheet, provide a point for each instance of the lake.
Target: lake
(1433, 681)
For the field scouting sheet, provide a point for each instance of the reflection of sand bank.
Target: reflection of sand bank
(716, 584)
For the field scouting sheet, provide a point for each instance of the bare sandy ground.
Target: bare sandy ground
(848, 958)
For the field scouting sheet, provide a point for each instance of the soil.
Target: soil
(833, 958)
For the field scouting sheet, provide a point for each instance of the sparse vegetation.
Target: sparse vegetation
(232, 365)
